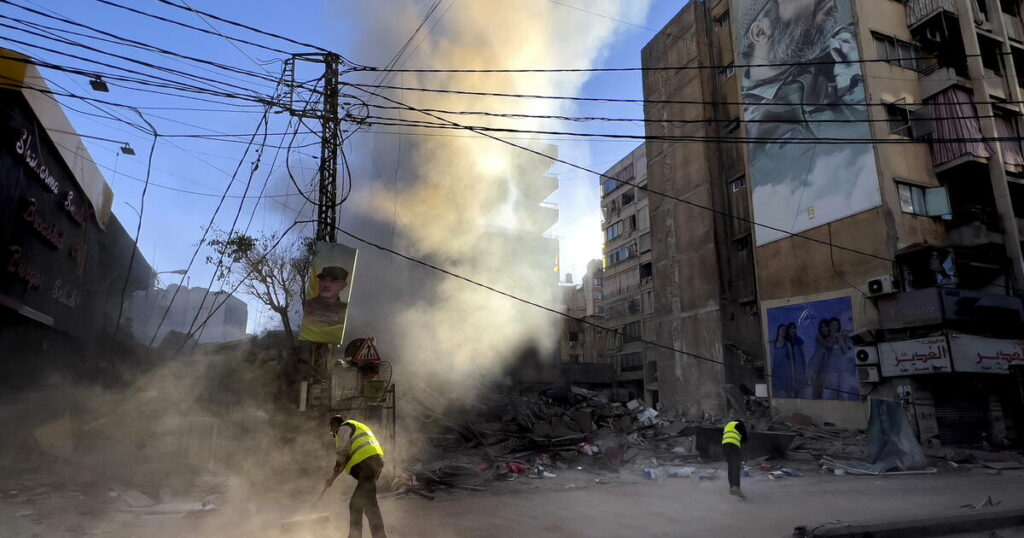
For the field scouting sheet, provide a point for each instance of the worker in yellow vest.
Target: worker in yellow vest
(360, 455)
(733, 436)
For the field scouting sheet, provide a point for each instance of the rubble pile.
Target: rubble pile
(522, 433)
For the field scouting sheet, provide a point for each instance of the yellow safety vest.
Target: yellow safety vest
(363, 444)
(730, 435)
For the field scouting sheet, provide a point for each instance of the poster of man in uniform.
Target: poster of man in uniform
(798, 183)
(811, 351)
(327, 292)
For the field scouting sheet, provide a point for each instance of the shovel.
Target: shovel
(309, 521)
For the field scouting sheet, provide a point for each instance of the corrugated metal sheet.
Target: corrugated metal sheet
(919, 10)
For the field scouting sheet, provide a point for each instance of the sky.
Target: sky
(173, 221)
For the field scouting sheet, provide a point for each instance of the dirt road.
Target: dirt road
(571, 505)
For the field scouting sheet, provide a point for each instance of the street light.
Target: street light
(156, 276)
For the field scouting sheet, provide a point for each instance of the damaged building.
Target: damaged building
(846, 228)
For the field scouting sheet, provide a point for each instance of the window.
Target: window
(631, 362)
(742, 243)
(646, 270)
(912, 199)
(722, 20)
(898, 53)
(618, 255)
(737, 184)
(574, 337)
(628, 197)
(647, 298)
(626, 175)
(899, 121)
(928, 202)
(613, 231)
(643, 218)
(631, 332)
(631, 223)
(725, 72)
(610, 185)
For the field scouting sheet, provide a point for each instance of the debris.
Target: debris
(24, 513)
(633, 405)
(57, 438)
(680, 472)
(789, 472)
(776, 474)
(515, 468)
(840, 472)
(800, 419)
(651, 473)
(987, 503)
(135, 499)
(1003, 465)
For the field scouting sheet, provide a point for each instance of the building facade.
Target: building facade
(861, 214)
(225, 315)
(628, 280)
(64, 257)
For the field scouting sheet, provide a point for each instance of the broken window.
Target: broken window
(628, 197)
(646, 270)
(631, 332)
(899, 121)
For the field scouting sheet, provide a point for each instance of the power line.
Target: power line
(650, 101)
(117, 39)
(641, 187)
(558, 312)
(245, 26)
(682, 138)
(726, 121)
(812, 63)
(189, 26)
(206, 231)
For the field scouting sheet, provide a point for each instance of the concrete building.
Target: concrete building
(146, 310)
(583, 343)
(64, 256)
(889, 201)
(628, 283)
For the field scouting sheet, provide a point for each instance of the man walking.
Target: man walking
(733, 436)
(359, 454)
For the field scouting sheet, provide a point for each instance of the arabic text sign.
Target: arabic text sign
(985, 355)
(911, 357)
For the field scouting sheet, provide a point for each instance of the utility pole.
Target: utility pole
(300, 98)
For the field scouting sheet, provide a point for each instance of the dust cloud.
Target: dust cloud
(462, 201)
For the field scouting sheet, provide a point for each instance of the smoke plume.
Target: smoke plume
(460, 200)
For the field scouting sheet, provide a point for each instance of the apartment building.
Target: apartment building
(628, 283)
(851, 226)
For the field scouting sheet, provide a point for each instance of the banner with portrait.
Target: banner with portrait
(799, 183)
(327, 293)
(812, 354)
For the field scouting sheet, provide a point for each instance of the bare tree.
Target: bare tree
(265, 268)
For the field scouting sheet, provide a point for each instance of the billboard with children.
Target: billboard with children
(812, 354)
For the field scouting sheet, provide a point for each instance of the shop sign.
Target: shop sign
(913, 357)
(985, 355)
(910, 309)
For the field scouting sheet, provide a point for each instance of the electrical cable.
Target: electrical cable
(559, 313)
(647, 101)
(138, 227)
(206, 231)
(641, 187)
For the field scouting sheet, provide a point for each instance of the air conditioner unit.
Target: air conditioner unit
(867, 374)
(866, 355)
(883, 285)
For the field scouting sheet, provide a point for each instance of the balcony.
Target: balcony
(938, 78)
(974, 225)
(537, 217)
(1014, 27)
(919, 11)
(536, 188)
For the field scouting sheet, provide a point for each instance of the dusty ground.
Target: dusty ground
(576, 503)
